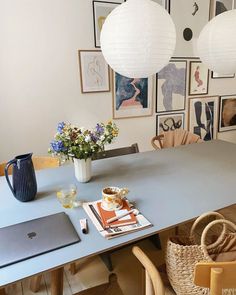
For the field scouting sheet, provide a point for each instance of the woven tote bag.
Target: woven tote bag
(183, 253)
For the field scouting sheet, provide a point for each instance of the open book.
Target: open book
(92, 210)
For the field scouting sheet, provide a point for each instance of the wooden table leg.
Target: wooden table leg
(2, 292)
(57, 281)
(73, 269)
(35, 283)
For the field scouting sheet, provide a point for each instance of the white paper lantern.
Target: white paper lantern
(217, 43)
(138, 38)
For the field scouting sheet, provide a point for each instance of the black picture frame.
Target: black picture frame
(222, 76)
(95, 28)
(168, 118)
(231, 119)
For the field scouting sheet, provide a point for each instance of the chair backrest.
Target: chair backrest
(216, 276)
(174, 138)
(39, 163)
(117, 152)
(153, 281)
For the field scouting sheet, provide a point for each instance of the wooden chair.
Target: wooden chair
(40, 162)
(174, 138)
(153, 283)
(216, 276)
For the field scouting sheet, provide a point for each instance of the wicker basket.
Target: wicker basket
(183, 253)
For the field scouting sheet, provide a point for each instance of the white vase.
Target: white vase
(83, 169)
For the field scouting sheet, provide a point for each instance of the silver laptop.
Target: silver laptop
(28, 239)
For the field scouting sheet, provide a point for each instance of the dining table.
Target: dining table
(169, 187)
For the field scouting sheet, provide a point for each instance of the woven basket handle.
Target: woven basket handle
(199, 219)
(221, 238)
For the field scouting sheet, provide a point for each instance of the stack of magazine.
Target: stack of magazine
(120, 227)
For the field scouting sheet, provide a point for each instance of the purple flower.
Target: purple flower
(94, 137)
(57, 146)
(60, 127)
(99, 129)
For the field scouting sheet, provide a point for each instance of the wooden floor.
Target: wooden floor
(92, 271)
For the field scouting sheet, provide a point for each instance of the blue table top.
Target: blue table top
(169, 186)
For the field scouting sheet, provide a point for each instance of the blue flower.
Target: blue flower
(94, 137)
(57, 146)
(60, 127)
(99, 129)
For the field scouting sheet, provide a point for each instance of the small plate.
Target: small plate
(121, 206)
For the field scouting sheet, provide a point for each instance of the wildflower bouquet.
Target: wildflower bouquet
(82, 143)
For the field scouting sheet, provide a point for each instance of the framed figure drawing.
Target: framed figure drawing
(203, 117)
(94, 71)
(132, 97)
(189, 18)
(171, 87)
(101, 9)
(227, 113)
(169, 122)
(198, 78)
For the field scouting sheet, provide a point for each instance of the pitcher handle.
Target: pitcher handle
(7, 176)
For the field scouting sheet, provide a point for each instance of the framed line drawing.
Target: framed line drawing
(214, 75)
(220, 6)
(189, 18)
(171, 87)
(169, 122)
(101, 9)
(198, 78)
(203, 117)
(132, 97)
(94, 71)
(227, 119)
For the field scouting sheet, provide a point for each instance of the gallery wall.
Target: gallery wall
(40, 83)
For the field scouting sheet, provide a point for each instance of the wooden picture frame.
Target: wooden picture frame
(101, 9)
(94, 72)
(198, 78)
(227, 120)
(169, 122)
(203, 116)
(171, 87)
(132, 98)
(214, 75)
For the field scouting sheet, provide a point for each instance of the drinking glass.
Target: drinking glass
(67, 195)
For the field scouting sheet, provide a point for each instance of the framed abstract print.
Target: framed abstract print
(203, 117)
(94, 71)
(189, 18)
(132, 97)
(171, 87)
(198, 78)
(220, 6)
(169, 122)
(101, 9)
(227, 119)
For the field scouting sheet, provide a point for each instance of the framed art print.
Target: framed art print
(220, 6)
(203, 117)
(214, 75)
(227, 120)
(198, 78)
(171, 87)
(189, 18)
(169, 122)
(101, 10)
(132, 97)
(94, 71)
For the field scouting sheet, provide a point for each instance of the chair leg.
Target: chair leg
(35, 283)
(2, 292)
(57, 281)
(73, 269)
(106, 258)
(156, 241)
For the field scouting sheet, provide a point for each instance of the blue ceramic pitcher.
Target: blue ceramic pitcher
(24, 185)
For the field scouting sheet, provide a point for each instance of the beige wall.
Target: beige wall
(39, 79)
